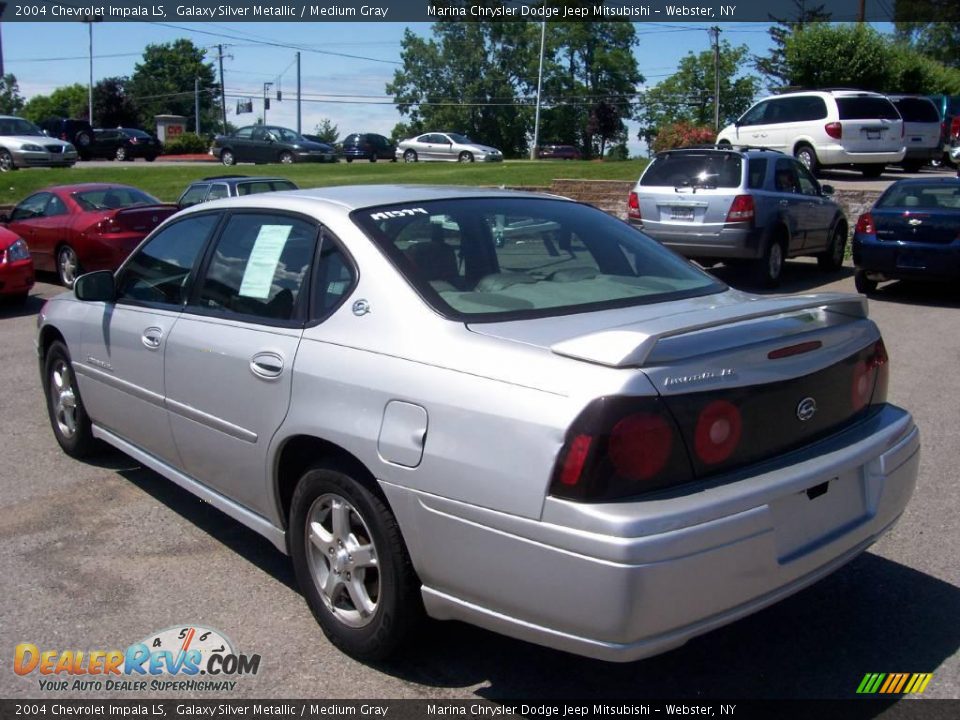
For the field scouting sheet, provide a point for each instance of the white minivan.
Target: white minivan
(824, 128)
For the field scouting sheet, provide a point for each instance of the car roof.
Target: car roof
(239, 178)
(928, 181)
(78, 187)
(355, 197)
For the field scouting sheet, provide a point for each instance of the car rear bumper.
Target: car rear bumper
(923, 153)
(624, 581)
(838, 155)
(895, 260)
(717, 241)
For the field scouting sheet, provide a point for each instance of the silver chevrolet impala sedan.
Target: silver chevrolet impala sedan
(504, 408)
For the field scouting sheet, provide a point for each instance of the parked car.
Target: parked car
(368, 146)
(125, 144)
(221, 186)
(92, 226)
(558, 152)
(949, 108)
(732, 205)
(451, 147)
(23, 144)
(269, 144)
(824, 128)
(911, 233)
(565, 438)
(921, 130)
(78, 133)
(16, 267)
(327, 147)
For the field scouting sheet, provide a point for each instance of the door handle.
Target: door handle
(152, 337)
(267, 365)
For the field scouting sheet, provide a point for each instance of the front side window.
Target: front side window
(808, 186)
(756, 171)
(492, 259)
(756, 114)
(785, 178)
(157, 273)
(259, 267)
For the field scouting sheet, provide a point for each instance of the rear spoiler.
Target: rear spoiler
(632, 345)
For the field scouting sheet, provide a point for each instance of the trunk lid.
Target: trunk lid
(140, 218)
(917, 224)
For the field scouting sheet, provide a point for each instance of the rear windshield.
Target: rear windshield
(923, 196)
(709, 169)
(481, 259)
(866, 108)
(263, 186)
(917, 110)
(136, 133)
(111, 198)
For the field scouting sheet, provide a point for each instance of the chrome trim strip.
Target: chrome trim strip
(211, 421)
(113, 381)
(255, 522)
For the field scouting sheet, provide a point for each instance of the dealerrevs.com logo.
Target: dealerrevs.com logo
(186, 657)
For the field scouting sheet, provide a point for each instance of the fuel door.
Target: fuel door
(403, 433)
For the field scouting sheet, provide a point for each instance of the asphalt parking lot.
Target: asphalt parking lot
(98, 555)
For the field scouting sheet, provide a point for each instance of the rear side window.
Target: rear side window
(917, 110)
(803, 108)
(714, 169)
(866, 108)
(756, 172)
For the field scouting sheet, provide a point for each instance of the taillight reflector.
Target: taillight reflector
(640, 446)
(633, 207)
(792, 350)
(865, 225)
(718, 432)
(870, 378)
(741, 209)
(576, 458)
(834, 130)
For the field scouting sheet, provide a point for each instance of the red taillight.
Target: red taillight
(791, 350)
(955, 127)
(575, 459)
(107, 226)
(865, 225)
(633, 207)
(640, 446)
(834, 130)
(742, 209)
(718, 432)
(871, 376)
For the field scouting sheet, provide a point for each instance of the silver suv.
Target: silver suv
(759, 205)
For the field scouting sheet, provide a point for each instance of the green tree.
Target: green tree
(70, 101)
(688, 95)
(163, 84)
(604, 123)
(773, 66)
(11, 101)
(327, 131)
(112, 104)
(845, 55)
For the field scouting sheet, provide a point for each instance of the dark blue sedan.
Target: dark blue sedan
(911, 233)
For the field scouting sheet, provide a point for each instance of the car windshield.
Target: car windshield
(691, 169)
(922, 196)
(18, 126)
(112, 198)
(483, 259)
(459, 139)
(866, 108)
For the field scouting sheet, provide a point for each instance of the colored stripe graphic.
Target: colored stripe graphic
(894, 683)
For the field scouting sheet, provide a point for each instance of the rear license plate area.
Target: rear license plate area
(911, 261)
(681, 213)
(815, 516)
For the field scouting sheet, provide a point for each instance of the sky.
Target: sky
(344, 66)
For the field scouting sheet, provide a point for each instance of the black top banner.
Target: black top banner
(651, 11)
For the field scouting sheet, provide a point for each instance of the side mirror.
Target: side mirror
(826, 190)
(99, 286)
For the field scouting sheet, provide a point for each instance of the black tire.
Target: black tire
(84, 143)
(410, 156)
(831, 259)
(872, 171)
(373, 158)
(228, 158)
(912, 166)
(864, 284)
(465, 157)
(286, 158)
(6, 161)
(388, 590)
(149, 158)
(121, 154)
(68, 417)
(349, 160)
(68, 266)
(722, 144)
(768, 270)
(808, 158)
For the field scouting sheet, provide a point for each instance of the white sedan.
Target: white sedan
(451, 147)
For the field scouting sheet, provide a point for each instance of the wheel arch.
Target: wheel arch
(49, 334)
(298, 453)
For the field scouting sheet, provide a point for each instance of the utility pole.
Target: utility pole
(862, 15)
(89, 18)
(536, 121)
(196, 103)
(299, 128)
(715, 35)
(223, 97)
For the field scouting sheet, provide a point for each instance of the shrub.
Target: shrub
(682, 134)
(186, 144)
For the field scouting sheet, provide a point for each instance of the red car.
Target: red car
(73, 229)
(16, 267)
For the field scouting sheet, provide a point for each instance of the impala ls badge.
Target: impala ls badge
(806, 409)
(915, 221)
